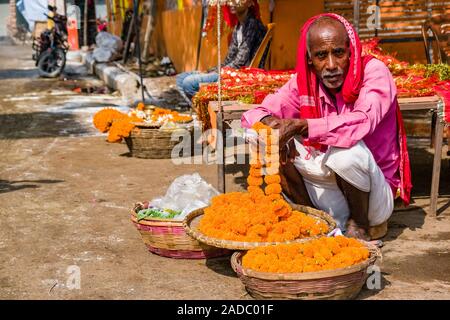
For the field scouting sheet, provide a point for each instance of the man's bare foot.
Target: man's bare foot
(354, 231)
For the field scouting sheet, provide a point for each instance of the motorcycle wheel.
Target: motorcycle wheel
(51, 63)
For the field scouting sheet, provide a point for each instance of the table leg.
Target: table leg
(438, 137)
(220, 152)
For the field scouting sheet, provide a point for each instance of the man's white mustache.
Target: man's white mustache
(331, 75)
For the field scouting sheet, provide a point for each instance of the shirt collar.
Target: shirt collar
(325, 97)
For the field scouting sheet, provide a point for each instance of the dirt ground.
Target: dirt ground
(65, 196)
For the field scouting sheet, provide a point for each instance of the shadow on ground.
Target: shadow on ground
(10, 185)
(221, 265)
(18, 74)
(39, 125)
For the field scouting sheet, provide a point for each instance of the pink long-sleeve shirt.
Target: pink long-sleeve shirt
(371, 118)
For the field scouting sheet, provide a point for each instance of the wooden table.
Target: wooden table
(233, 110)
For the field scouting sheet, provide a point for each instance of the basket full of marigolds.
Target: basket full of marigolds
(147, 131)
(323, 268)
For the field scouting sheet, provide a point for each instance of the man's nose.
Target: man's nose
(331, 63)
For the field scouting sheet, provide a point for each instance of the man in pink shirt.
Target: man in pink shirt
(342, 141)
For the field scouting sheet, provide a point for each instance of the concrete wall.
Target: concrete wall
(4, 12)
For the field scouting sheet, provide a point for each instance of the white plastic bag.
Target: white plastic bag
(186, 194)
(108, 48)
(108, 40)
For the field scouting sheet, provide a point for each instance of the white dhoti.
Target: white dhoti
(355, 165)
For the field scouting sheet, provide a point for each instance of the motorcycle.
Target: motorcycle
(51, 46)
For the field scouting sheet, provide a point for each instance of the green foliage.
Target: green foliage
(157, 213)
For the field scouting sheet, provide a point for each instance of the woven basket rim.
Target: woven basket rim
(146, 125)
(240, 245)
(236, 264)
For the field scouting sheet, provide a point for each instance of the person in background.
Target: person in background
(246, 38)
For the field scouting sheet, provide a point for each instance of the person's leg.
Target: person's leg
(293, 185)
(180, 78)
(369, 196)
(292, 182)
(358, 203)
(191, 84)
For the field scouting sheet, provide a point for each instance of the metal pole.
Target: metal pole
(356, 15)
(220, 151)
(85, 29)
(138, 44)
(148, 31)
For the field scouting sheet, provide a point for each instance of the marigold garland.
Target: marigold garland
(160, 113)
(104, 118)
(315, 255)
(119, 125)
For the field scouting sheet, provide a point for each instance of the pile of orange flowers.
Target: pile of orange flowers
(117, 124)
(314, 255)
(160, 113)
(244, 216)
(259, 215)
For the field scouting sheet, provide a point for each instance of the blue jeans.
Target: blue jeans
(189, 82)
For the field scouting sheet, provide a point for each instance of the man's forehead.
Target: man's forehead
(327, 31)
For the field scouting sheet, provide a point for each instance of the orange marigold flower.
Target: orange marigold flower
(273, 188)
(272, 179)
(253, 181)
(255, 172)
(140, 106)
(274, 197)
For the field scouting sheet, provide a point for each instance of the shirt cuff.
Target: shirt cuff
(249, 118)
(317, 129)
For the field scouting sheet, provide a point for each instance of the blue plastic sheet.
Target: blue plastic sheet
(33, 10)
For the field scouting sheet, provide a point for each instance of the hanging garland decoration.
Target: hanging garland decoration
(417, 80)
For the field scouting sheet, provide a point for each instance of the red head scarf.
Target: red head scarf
(308, 87)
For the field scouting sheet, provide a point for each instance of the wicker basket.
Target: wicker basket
(167, 237)
(193, 219)
(339, 284)
(151, 143)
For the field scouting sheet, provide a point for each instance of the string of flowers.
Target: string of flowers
(325, 253)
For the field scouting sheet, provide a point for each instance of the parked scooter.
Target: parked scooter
(51, 46)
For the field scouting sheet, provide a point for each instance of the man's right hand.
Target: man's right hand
(287, 128)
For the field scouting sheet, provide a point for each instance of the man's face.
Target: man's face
(238, 7)
(329, 53)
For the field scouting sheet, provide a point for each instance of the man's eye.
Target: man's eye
(339, 52)
(321, 55)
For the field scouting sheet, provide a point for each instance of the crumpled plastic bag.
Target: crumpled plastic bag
(186, 194)
(108, 48)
